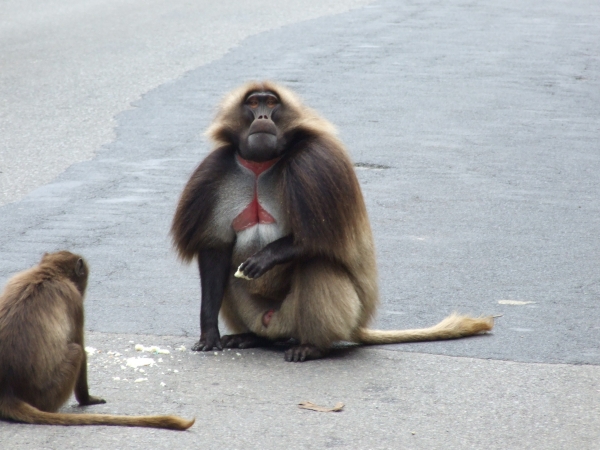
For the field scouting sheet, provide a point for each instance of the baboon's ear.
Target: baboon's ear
(80, 268)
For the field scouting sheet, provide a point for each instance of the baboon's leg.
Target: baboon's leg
(61, 381)
(321, 308)
(242, 312)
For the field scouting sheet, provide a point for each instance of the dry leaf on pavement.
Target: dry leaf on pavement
(309, 405)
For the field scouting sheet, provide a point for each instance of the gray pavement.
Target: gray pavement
(69, 66)
(475, 129)
(392, 400)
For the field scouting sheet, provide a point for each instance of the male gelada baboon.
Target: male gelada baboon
(278, 201)
(42, 356)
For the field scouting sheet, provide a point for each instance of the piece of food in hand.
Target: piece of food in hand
(240, 274)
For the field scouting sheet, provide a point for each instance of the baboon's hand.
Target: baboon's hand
(210, 340)
(277, 252)
(91, 400)
(255, 266)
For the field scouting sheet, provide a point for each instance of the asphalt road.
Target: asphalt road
(69, 66)
(476, 133)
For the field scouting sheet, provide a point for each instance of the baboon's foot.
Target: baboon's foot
(304, 352)
(244, 340)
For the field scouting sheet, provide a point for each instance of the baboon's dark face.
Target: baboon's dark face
(261, 139)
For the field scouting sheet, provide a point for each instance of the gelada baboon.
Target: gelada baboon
(42, 355)
(276, 219)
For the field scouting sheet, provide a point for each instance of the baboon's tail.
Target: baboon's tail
(452, 327)
(15, 409)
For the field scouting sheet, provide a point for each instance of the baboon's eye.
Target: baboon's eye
(252, 102)
(272, 102)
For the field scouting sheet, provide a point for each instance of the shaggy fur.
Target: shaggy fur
(42, 356)
(327, 291)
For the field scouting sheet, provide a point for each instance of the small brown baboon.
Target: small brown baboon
(276, 219)
(42, 355)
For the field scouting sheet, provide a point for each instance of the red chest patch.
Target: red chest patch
(254, 213)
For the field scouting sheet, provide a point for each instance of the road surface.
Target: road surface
(474, 129)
